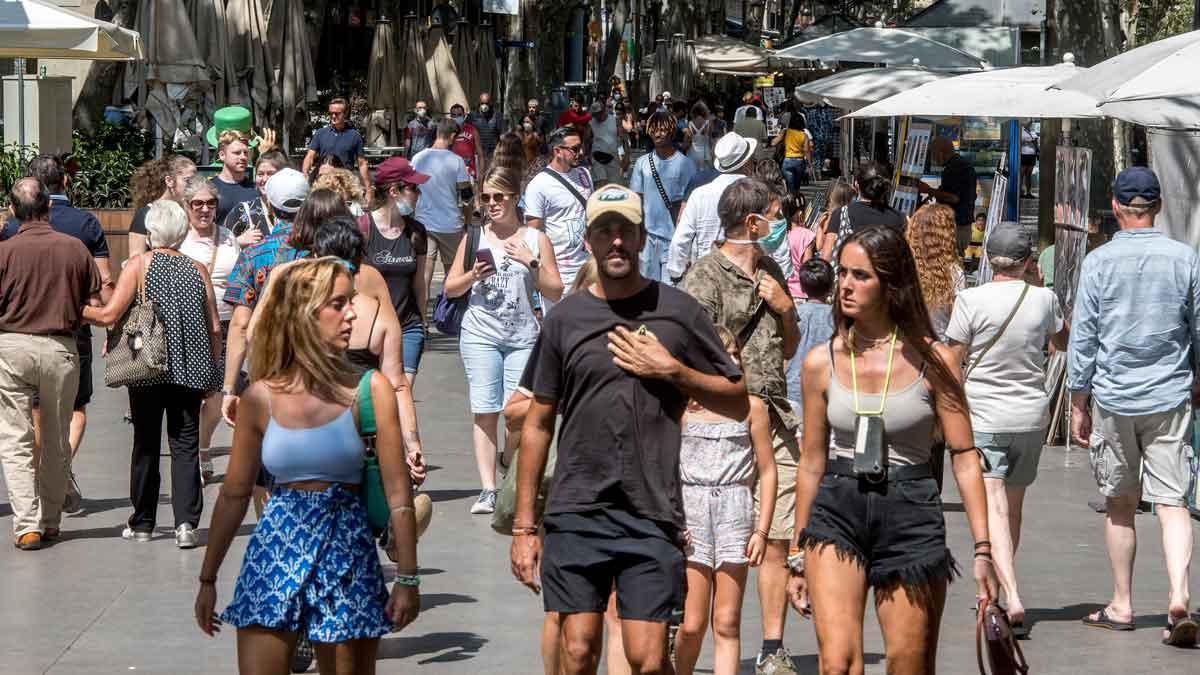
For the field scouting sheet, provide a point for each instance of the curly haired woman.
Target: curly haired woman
(931, 236)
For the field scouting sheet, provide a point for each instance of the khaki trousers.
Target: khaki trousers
(37, 480)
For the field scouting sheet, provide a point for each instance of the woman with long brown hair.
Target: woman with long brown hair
(153, 180)
(931, 235)
(874, 398)
(839, 194)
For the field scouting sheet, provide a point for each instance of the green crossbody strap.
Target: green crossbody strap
(366, 408)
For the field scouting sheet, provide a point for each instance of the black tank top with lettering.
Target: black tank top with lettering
(396, 259)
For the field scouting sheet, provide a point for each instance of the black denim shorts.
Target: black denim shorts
(892, 529)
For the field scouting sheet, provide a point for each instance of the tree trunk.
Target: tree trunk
(1082, 31)
(103, 78)
(618, 15)
(520, 79)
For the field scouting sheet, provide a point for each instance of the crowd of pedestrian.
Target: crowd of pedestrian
(718, 384)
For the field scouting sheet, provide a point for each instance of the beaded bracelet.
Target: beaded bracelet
(412, 580)
(982, 542)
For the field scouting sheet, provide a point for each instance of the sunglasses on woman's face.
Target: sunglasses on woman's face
(497, 197)
(201, 204)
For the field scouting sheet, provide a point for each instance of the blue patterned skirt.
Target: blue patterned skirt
(312, 566)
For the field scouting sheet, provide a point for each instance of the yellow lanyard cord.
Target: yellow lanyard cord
(887, 378)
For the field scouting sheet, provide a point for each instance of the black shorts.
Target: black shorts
(895, 530)
(83, 344)
(1029, 160)
(585, 554)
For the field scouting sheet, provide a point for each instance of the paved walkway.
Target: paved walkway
(97, 604)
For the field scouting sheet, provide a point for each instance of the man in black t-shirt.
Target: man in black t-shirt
(958, 188)
(619, 360)
(234, 185)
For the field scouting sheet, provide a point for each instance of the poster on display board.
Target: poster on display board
(916, 149)
(905, 199)
(995, 209)
(509, 7)
(773, 97)
(1072, 190)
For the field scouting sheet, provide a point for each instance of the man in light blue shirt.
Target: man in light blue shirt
(662, 198)
(1135, 337)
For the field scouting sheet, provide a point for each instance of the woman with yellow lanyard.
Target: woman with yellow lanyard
(797, 152)
(870, 515)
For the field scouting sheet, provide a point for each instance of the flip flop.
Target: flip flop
(1103, 620)
(1182, 633)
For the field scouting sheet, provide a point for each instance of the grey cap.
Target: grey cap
(1009, 240)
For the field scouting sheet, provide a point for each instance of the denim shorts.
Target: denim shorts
(413, 338)
(1012, 457)
(493, 371)
(893, 530)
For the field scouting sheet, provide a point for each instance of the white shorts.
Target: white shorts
(720, 519)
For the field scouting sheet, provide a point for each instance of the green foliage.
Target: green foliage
(106, 160)
(13, 160)
(1158, 19)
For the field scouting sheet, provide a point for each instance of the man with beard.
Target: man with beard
(232, 184)
(555, 201)
(622, 358)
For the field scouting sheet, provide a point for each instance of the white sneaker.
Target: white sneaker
(135, 535)
(185, 536)
(485, 504)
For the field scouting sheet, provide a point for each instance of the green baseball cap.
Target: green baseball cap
(235, 118)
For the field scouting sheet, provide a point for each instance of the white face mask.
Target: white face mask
(528, 126)
(459, 119)
(404, 208)
(421, 112)
(483, 108)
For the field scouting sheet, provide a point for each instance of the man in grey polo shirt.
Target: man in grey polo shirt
(1139, 298)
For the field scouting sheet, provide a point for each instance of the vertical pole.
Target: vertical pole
(1012, 209)
(20, 64)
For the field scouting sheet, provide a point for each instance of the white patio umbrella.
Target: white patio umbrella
(722, 55)
(860, 87)
(1166, 68)
(1004, 93)
(889, 46)
(36, 29)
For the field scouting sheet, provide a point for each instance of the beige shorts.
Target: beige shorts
(787, 456)
(1152, 451)
(444, 246)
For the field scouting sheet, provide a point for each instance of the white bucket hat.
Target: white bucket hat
(733, 151)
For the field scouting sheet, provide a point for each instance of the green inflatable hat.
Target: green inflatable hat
(234, 118)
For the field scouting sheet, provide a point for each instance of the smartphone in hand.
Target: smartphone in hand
(484, 255)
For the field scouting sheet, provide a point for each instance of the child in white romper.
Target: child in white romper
(719, 460)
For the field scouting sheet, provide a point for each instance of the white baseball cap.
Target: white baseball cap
(287, 190)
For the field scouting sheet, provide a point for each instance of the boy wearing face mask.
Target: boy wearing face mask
(420, 131)
(397, 246)
(743, 289)
(466, 143)
(488, 123)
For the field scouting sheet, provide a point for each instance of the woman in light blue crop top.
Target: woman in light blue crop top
(313, 548)
(868, 512)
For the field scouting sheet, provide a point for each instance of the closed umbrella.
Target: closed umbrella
(486, 61)
(464, 59)
(172, 66)
(659, 79)
(440, 68)
(678, 56)
(212, 39)
(414, 82)
(1162, 69)
(251, 55)
(384, 77)
(292, 58)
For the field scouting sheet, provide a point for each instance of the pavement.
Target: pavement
(94, 603)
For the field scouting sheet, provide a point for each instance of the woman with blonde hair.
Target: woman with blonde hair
(931, 236)
(499, 327)
(331, 588)
(346, 184)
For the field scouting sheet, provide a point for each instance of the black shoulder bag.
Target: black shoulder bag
(567, 184)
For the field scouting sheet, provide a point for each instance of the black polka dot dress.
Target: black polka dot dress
(178, 288)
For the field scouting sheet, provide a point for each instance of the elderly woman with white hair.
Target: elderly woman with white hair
(209, 243)
(180, 289)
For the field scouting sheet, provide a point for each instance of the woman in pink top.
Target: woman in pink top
(800, 239)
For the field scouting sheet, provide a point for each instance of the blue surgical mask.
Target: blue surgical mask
(404, 208)
(459, 119)
(776, 236)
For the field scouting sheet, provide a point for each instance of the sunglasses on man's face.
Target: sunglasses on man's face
(497, 197)
(573, 149)
(201, 204)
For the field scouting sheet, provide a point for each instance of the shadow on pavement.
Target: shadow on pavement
(434, 600)
(1070, 613)
(805, 663)
(450, 495)
(440, 647)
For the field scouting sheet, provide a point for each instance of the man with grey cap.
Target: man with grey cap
(999, 331)
(608, 139)
(1135, 339)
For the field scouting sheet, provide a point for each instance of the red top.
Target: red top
(464, 146)
(569, 118)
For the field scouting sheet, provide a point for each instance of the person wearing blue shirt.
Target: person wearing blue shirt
(343, 141)
(83, 226)
(662, 197)
(1131, 362)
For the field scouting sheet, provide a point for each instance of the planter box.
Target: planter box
(115, 223)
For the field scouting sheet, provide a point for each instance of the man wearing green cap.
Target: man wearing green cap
(231, 135)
